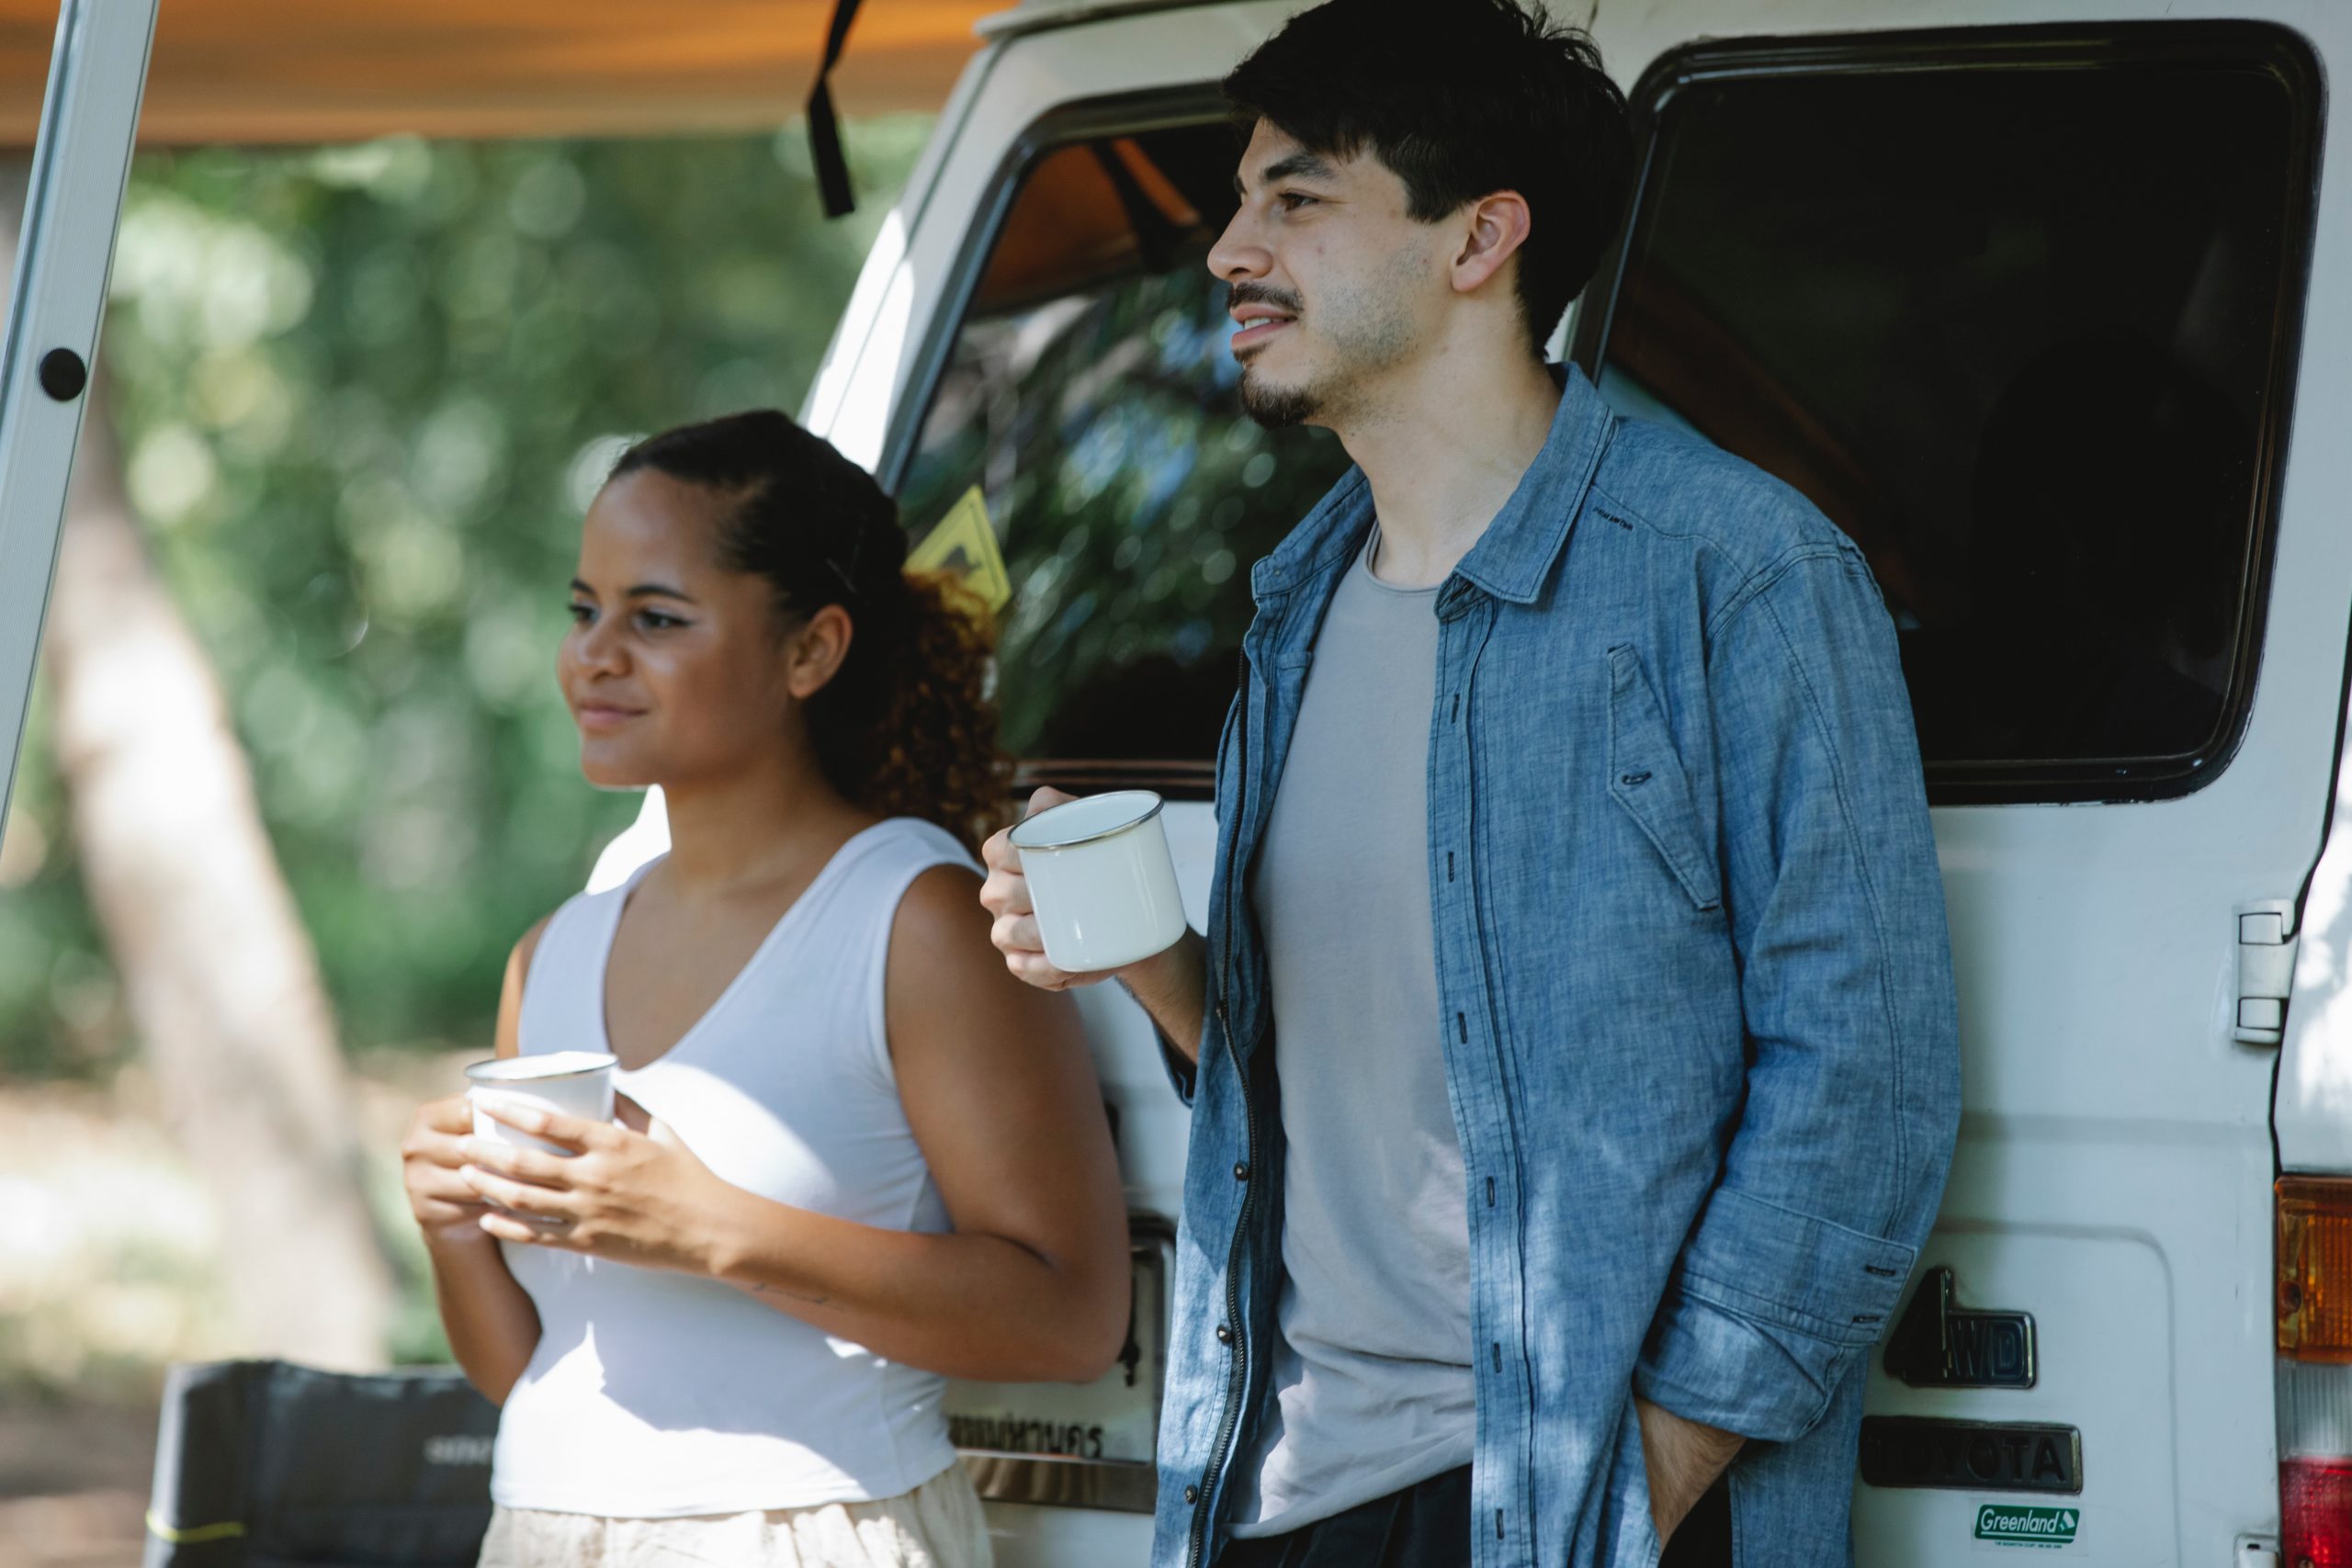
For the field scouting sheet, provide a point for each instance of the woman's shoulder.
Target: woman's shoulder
(909, 846)
(925, 884)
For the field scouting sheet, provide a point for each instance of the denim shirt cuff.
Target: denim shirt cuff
(1766, 1314)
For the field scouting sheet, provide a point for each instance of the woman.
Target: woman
(855, 1156)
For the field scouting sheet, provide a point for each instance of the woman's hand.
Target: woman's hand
(433, 1156)
(631, 1192)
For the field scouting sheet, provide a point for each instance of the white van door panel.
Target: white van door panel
(64, 254)
(2313, 1113)
(2114, 1170)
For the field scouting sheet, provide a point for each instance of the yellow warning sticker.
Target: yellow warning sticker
(964, 543)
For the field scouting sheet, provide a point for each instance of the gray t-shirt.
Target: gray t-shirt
(1371, 1387)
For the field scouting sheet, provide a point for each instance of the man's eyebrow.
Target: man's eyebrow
(639, 591)
(1297, 165)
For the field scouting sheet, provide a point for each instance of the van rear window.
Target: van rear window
(1088, 394)
(2018, 311)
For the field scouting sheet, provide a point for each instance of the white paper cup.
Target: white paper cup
(1101, 880)
(568, 1083)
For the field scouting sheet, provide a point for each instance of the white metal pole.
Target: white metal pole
(64, 253)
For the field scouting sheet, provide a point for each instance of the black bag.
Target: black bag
(262, 1464)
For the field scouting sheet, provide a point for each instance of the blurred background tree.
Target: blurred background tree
(361, 397)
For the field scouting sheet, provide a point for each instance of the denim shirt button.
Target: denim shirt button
(1192, 1493)
(1241, 1170)
(1225, 1333)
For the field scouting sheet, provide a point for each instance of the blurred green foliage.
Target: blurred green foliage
(363, 395)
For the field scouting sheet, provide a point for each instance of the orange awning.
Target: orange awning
(347, 70)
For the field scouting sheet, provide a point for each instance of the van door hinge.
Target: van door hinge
(2266, 970)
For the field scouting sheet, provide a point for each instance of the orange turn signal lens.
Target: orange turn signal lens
(2315, 1268)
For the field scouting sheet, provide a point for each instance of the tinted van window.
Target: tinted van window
(2014, 313)
(1089, 394)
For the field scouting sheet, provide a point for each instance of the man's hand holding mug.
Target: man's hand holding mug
(1100, 868)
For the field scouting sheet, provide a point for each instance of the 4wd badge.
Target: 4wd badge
(2007, 1525)
(1940, 1344)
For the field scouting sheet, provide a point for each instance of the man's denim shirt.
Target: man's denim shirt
(1696, 998)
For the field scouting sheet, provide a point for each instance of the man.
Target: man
(1572, 1049)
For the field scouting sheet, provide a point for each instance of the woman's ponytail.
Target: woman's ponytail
(906, 725)
(916, 736)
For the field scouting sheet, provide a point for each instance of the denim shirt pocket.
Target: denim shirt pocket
(1645, 777)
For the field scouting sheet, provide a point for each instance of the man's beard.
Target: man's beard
(1369, 329)
(1277, 408)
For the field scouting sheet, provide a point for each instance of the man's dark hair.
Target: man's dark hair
(1459, 99)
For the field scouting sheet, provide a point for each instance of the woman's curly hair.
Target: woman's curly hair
(906, 727)
(933, 753)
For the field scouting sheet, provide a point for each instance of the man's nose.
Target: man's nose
(1237, 254)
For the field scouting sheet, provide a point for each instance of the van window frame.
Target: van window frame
(2262, 46)
(1066, 124)
(1080, 120)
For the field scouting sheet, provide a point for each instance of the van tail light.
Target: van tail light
(2315, 1513)
(2314, 1308)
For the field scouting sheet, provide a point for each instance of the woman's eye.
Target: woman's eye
(582, 614)
(655, 621)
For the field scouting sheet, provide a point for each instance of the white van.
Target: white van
(2019, 291)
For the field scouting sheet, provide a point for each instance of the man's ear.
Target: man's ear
(1498, 225)
(813, 654)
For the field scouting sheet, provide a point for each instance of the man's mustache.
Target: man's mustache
(1281, 299)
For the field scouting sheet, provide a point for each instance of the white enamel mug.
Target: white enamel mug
(568, 1083)
(1101, 880)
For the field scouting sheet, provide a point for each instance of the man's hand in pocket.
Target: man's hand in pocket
(1683, 1459)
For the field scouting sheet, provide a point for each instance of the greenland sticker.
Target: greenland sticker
(2010, 1524)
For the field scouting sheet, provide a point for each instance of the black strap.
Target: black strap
(1155, 237)
(824, 126)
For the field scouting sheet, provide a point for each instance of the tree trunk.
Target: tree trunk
(220, 977)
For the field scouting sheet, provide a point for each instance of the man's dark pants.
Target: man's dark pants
(1428, 1526)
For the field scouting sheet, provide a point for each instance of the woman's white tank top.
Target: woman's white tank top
(653, 1394)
